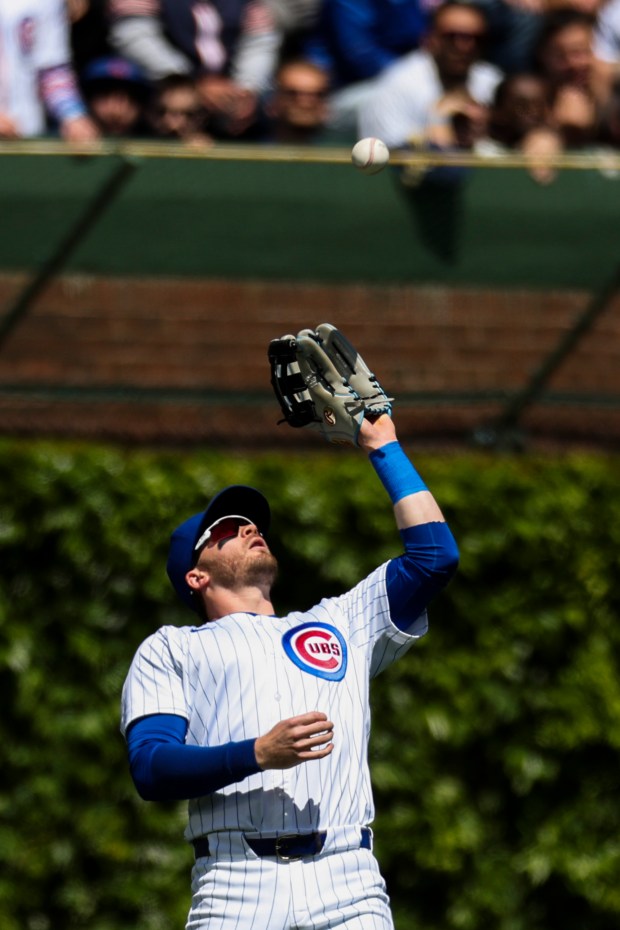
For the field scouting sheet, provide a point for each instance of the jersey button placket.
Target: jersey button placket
(285, 796)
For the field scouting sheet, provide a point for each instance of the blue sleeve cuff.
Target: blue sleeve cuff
(241, 757)
(397, 474)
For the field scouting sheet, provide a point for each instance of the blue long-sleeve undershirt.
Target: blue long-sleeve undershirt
(421, 572)
(164, 768)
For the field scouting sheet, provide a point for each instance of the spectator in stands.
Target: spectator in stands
(116, 93)
(296, 110)
(565, 56)
(355, 42)
(38, 87)
(515, 27)
(420, 91)
(203, 39)
(520, 120)
(176, 112)
(520, 107)
(565, 52)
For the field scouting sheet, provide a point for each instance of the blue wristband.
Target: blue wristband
(397, 474)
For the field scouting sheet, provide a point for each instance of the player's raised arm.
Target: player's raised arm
(322, 382)
(413, 502)
(431, 554)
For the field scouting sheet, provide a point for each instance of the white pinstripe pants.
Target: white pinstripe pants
(332, 890)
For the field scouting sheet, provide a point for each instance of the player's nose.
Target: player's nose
(249, 529)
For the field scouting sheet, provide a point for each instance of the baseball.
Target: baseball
(370, 155)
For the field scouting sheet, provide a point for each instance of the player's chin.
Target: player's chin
(261, 567)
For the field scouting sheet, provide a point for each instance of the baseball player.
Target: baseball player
(262, 721)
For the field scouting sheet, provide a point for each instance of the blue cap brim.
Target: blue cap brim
(236, 499)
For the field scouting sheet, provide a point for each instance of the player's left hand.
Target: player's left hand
(322, 382)
(376, 432)
(295, 740)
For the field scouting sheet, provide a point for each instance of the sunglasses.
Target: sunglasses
(295, 92)
(224, 528)
(452, 35)
(193, 113)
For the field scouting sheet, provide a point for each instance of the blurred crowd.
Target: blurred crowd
(491, 76)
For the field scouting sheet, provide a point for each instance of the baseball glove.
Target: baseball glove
(322, 382)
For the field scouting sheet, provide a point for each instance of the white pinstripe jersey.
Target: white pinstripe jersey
(235, 678)
(34, 35)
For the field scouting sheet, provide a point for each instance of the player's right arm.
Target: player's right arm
(155, 720)
(165, 768)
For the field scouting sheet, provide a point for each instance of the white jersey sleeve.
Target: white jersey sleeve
(155, 683)
(364, 611)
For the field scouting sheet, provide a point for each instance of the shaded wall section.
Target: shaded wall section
(185, 361)
(142, 310)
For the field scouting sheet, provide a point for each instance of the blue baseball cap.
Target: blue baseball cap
(187, 541)
(111, 68)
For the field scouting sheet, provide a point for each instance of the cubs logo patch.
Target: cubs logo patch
(317, 648)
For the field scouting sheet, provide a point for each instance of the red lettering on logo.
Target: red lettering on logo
(305, 648)
(318, 649)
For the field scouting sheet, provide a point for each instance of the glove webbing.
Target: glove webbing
(288, 383)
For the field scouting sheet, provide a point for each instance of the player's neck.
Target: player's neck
(252, 600)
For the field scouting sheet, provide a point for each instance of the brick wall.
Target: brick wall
(184, 361)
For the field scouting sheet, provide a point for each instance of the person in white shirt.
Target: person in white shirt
(411, 95)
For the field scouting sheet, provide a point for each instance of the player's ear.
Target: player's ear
(197, 578)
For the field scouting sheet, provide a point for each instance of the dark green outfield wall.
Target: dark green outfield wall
(313, 221)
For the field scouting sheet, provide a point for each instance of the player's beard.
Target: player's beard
(254, 568)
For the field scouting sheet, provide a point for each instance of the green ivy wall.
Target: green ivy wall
(495, 742)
